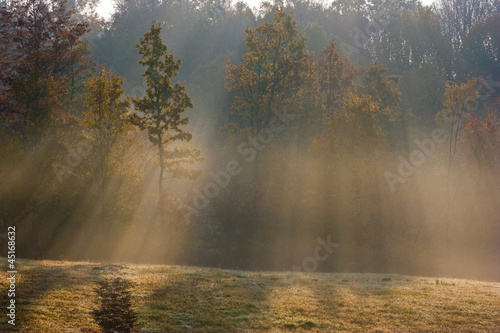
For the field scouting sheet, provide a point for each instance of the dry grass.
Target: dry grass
(58, 297)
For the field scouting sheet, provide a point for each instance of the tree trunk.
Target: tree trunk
(162, 167)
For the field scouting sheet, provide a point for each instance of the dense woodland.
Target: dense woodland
(204, 132)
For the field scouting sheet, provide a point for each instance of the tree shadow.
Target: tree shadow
(62, 293)
(206, 300)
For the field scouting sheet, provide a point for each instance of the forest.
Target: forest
(340, 136)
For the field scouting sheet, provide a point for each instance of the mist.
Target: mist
(318, 137)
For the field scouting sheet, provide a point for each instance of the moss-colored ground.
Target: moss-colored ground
(54, 296)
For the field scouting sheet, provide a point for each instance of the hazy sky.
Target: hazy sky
(106, 6)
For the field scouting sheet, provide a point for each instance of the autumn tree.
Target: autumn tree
(335, 75)
(274, 89)
(43, 63)
(106, 118)
(338, 77)
(273, 72)
(459, 101)
(482, 139)
(42, 67)
(360, 105)
(468, 107)
(160, 112)
(350, 152)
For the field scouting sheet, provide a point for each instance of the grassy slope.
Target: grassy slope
(58, 297)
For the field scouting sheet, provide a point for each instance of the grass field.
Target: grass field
(53, 296)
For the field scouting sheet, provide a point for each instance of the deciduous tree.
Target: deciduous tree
(106, 118)
(43, 62)
(160, 112)
(274, 70)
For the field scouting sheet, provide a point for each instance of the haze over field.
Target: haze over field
(246, 139)
(346, 145)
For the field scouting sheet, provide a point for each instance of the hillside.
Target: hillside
(53, 296)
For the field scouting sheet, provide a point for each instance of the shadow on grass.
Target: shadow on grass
(45, 294)
(115, 313)
(206, 301)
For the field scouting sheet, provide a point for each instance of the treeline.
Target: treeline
(369, 130)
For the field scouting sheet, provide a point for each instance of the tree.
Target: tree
(383, 89)
(362, 104)
(160, 111)
(459, 101)
(351, 152)
(459, 16)
(273, 72)
(412, 40)
(44, 59)
(43, 63)
(317, 38)
(481, 51)
(338, 78)
(270, 85)
(106, 118)
(414, 47)
(335, 76)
